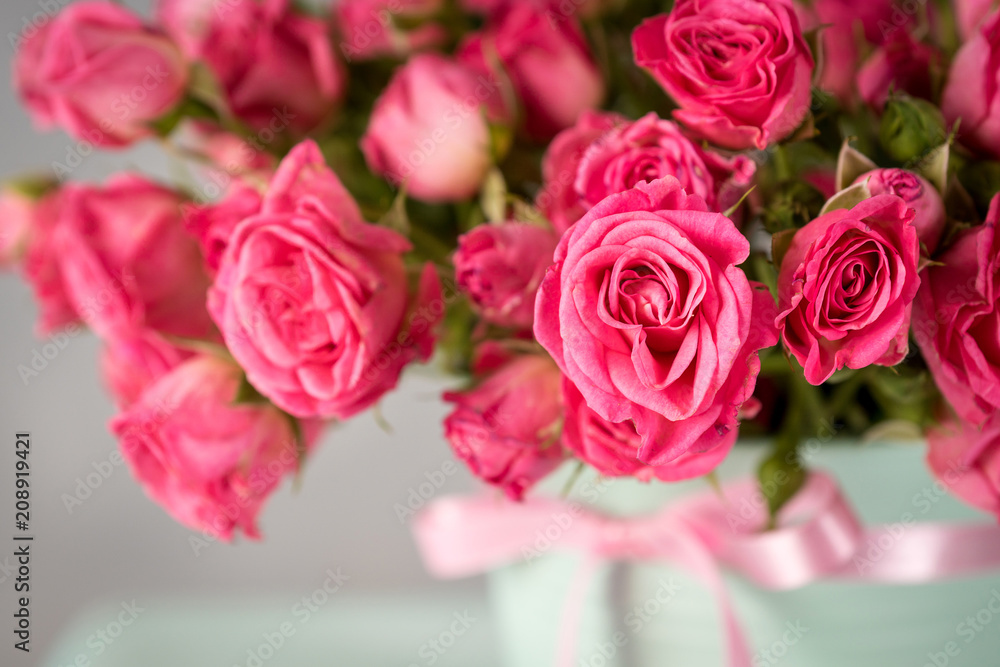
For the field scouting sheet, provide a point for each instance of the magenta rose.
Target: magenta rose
(918, 194)
(966, 459)
(846, 288)
(613, 449)
(134, 360)
(971, 94)
(605, 154)
(499, 267)
(740, 71)
(95, 70)
(209, 462)
(312, 301)
(275, 64)
(429, 130)
(118, 257)
(372, 28)
(957, 320)
(647, 312)
(901, 64)
(548, 63)
(214, 224)
(506, 429)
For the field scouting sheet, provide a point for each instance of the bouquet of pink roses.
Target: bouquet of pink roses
(641, 228)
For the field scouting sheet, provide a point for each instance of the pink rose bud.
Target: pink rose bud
(276, 65)
(612, 449)
(846, 288)
(210, 463)
(956, 320)
(134, 360)
(846, 27)
(969, 14)
(966, 459)
(499, 267)
(971, 95)
(900, 64)
(18, 213)
(918, 194)
(118, 257)
(506, 429)
(647, 312)
(547, 61)
(371, 28)
(605, 154)
(99, 73)
(214, 224)
(740, 72)
(428, 132)
(313, 302)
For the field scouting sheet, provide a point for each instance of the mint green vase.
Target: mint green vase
(655, 615)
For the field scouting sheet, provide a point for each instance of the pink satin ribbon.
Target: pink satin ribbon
(819, 537)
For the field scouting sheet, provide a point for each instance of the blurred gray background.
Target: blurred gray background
(117, 546)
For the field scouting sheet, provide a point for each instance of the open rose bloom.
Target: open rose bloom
(638, 238)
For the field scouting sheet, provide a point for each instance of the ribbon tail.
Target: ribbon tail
(568, 640)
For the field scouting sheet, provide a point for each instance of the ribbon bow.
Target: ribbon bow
(818, 537)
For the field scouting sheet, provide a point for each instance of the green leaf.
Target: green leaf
(851, 164)
(247, 394)
(493, 197)
(780, 476)
(847, 198)
(780, 243)
(731, 211)
(934, 167)
(396, 217)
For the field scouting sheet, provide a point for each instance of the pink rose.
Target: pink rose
(210, 463)
(740, 71)
(96, 71)
(846, 25)
(613, 449)
(901, 64)
(647, 312)
(971, 94)
(118, 257)
(214, 224)
(605, 154)
(276, 66)
(957, 320)
(506, 429)
(548, 62)
(969, 14)
(966, 459)
(846, 288)
(918, 194)
(313, 302)
(428, 132)
(499, 266)
(371, 28)
(133, 361)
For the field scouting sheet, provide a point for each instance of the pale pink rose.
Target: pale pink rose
(429, 132)
(605, 154)
(118, 257)
(134, 360)
(17, 224)
(846, 288)
(548, 63)
(740, 71)
(313, 302)
(966, 459)
(99, 73)
(969, 14)
(214, 224)
(499, 267)
(210, 463)
(613, 449)
(918, 194)
(956, 320)
(847, 26)
(371, 28)
(971, 95)
(647, 312)
(506, 429)
(901, 64)
(275, 64)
